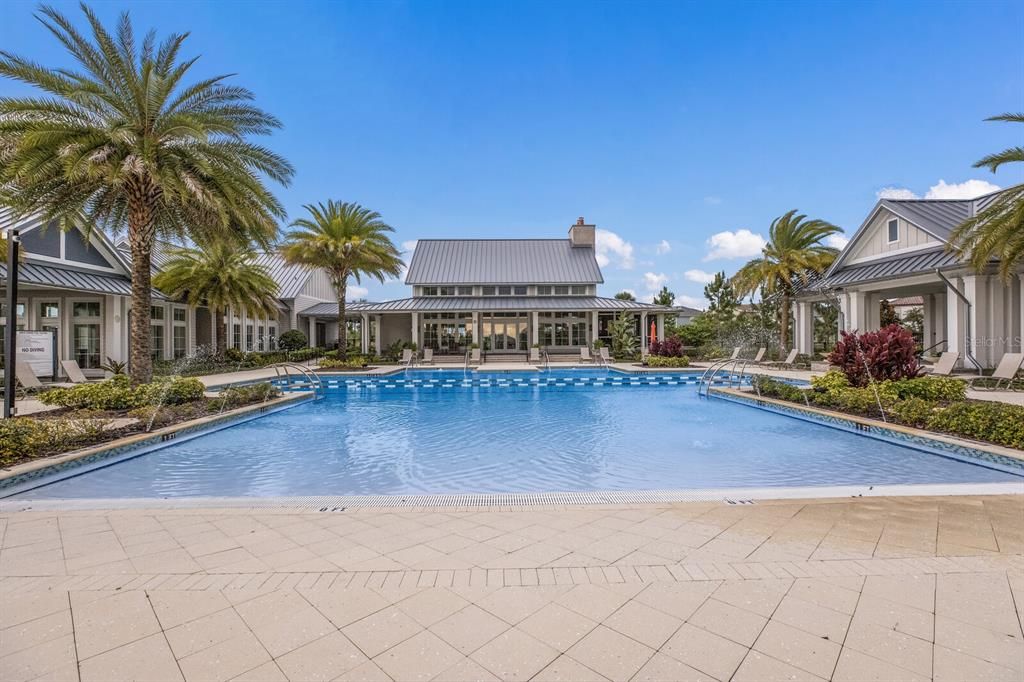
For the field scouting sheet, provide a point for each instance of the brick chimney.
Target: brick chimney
(582, 234)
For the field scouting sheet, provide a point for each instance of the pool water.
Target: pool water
(368, 438)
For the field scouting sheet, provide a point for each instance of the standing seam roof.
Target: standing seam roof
(502, 261)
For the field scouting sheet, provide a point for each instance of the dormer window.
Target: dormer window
(487, 291)
(578, 290)
(561, 291)
(894, 231)
(544, 290)
(504, 291)
(519, 291)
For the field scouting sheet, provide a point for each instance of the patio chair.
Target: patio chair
(407, 357)
(1006, 370)
(788, 363)
(585, 354)
(943, 367)
(735, 354)
(605, 355)
(26, 378)
(760, 355)
(73, 372)
(428, 356)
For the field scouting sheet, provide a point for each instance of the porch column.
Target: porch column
(312, 332)
(476, 330)
(113, 329)
(661, 326)
(364, 333)
(956, 322)
(855, 320)
(534, 328)
(644, 343)
(843, 323)
(975, 289)
(593, 327)
(805, 327)
(415, 338)
(376, 337)
(872, 313)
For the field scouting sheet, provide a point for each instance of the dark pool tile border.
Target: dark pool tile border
(945, 446)
(20, 478)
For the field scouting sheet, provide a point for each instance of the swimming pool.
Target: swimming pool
(431, 432)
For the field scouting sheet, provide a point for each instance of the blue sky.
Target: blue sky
(672, 126)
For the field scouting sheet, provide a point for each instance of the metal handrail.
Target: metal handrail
(311, 377)
(934, 345)
(709, 374)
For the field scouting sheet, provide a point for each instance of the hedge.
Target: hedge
(27, 437)
(118, 393)
(667, 361)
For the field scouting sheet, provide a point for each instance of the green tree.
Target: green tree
(220, 274)
(346, 240)
(826, 325)
(664, 297)
(794, 251)
(997, 231)
(887, 314)
(125, 141)
(722, 299)
(625, 296)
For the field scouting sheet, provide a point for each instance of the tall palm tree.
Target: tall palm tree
(346, 240)
(998, 230)
(794, 251)
(125, 141)
(220, 275)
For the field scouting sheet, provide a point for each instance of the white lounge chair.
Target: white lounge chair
(735, 354)
(407, 357)
(605, 356)
(26, 376)
(787, 363)
(73, 372)
(943, 367)
(1006, 370)
(760, 355)
(428, 356)
(585, 354)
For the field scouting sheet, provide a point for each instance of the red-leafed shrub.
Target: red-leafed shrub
(672, 347)
(889, 353)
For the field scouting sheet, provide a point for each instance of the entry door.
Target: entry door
(321, 334)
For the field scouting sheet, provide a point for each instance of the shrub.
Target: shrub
(773, 388)
(236, 396)
(994, 422)
(912, 411)
(293, 339)
(671, 347)
(667, 361)
(935, 389)
(833, 380)
(118, 393)
(27, 437)
(889, 353)
(234, 355)
(353, 362)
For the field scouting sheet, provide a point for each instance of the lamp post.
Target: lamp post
(11, 337)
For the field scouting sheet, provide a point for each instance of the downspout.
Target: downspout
(968, 352)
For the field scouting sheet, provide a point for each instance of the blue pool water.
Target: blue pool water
(391, 436)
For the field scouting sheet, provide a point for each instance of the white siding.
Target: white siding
(875, 240)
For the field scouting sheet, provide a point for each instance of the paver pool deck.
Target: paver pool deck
(907, 588)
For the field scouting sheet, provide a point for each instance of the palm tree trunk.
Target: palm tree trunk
(141, 233)
(784, 323)
(222, 332)
(342, 326)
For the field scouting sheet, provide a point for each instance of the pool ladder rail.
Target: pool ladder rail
(707, 379)
(312, 378)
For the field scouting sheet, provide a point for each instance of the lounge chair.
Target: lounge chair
(943, 367)
(604, 355)
(535, 356)
(1006, 370)
(73, 372)
(788, 363)
(760, 355)
(407, 357)
(27, 377)
(735, 354)
(428, 356)
(585, 354)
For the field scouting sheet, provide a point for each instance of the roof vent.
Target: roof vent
(582, 234)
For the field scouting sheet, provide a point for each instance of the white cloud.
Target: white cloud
(631, 292)
(690, 301)
(895, 193)
(409, 245)
(968, 189)
(654, 282)
(663, 247)
(712, 201)
(699, 276)
(837, 240)
(354, 291)
(611, 248)
(739, 244)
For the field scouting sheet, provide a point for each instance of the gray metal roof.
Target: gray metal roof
(430, 304)
(502, 261)
(64, 278)
(939, 216)
(909, 264)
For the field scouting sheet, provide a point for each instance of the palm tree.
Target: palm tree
(126, 142)
(346, 240)
(220, 275)
(998, 230)
(794, 251)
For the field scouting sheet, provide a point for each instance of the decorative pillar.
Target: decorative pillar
(476, 330)
(593, 327)
(644, 342)
(855, 320)
(661, 327)
(364, 333)
(312, 332)
(415, 337)
(804, 341)
(956, 318)
(377, 335)
(534, 328)
(928, 322)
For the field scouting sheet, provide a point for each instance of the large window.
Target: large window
(248, 337)
(179, 336)
(563, 329)
(156, 314)
(271, 336)
(444, 332)
(504, 332)
(236, 335)
(85, 334)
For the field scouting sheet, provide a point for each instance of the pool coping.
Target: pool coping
(950, 445)
(140, 443)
